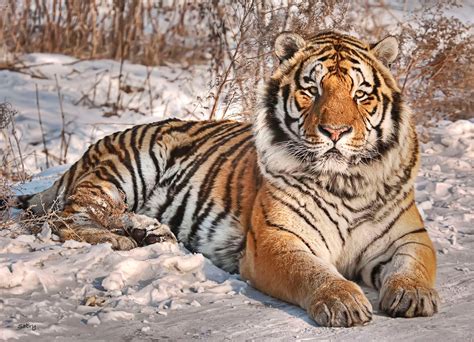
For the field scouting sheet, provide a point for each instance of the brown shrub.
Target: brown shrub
(235, 39)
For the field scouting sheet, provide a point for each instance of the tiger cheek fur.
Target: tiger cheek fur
(319, 190)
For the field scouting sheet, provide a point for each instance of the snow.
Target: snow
(78, 291)
(89, 89)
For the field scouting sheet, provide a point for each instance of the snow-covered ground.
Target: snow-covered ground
(89, 89)
(76, 291)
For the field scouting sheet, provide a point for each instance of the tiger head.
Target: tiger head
(331, 105)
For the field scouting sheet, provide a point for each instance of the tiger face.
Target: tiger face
(332, 104)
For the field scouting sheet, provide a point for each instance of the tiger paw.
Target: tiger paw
(146, 230)
(95, 235)
(405, 297)
(340, 303)
(119, 243)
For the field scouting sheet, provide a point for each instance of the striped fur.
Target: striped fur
(318, 190)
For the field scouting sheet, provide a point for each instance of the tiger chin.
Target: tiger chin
(317, 191)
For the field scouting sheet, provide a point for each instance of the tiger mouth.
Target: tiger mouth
(333, 152)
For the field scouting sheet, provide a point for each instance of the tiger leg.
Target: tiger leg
(281, 265)
(406, 278)
(96, 213)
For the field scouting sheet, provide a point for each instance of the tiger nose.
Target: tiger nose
(334, 132)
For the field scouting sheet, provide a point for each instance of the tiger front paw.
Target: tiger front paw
(340, 303)
(146, 231)
(405, 297)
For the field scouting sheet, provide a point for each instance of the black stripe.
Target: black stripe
(352, 43)
(271, 119)
(288, 118)
(230, 181)
(136, 154)
(153, 143)
(209, 179)
(60, 183)
(108, 144)
(326, 57)
(280, 227)
(372, 207)
(377, 83)
(206, 187)
(192, 238)
(375, 208)
(323, 50)
(114, 169)
(352, 60)
(212, 124)
(177, 219)
(377, 268)
(227, 199)
(71, 174)
(195, 145)
(302, 216)
(143, 134)
(385, 230)
(109, 178)
(240, 187)
(183, 179)
(126, 161)
(420, 230)
(184, 127)
(188, 150)
(318, 203)
(383, 147)
(212, 228)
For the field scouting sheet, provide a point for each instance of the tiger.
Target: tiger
(311, 196)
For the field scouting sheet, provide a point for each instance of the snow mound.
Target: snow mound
(154, 278)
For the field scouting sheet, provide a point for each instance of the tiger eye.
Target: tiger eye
(313, 90)
(360, 94)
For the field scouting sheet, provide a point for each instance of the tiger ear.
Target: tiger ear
(385, 50)
(287, 44)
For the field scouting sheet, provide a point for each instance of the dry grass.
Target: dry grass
(11, 160)
(235, 39)
(14, 224)
(146, 32)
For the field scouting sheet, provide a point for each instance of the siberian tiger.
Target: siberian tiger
(318, 190)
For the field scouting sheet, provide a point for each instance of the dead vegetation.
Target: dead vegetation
(235, 39)
(11, 161)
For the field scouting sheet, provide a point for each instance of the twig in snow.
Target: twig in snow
(41, 127)
(148, 75)
(62, 155)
